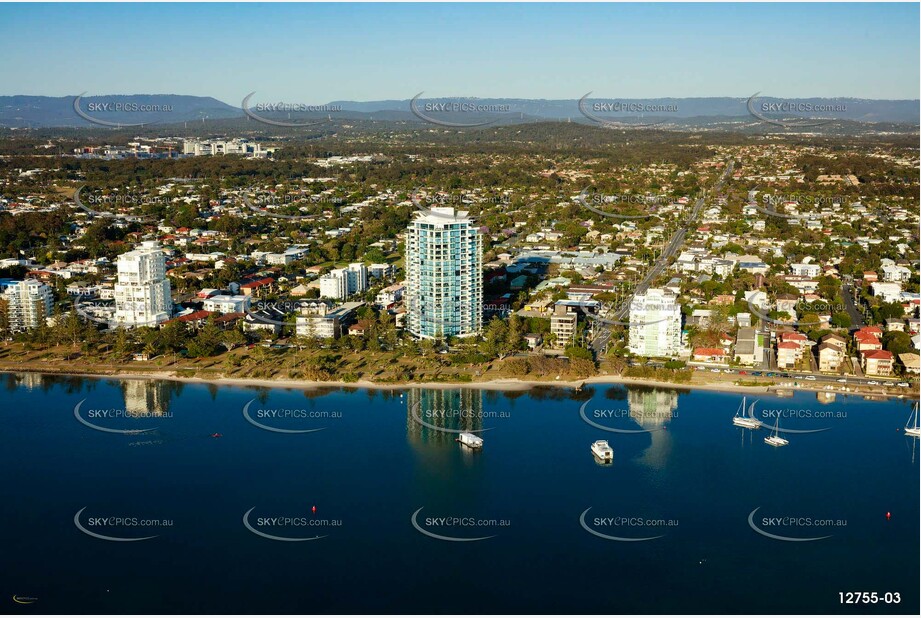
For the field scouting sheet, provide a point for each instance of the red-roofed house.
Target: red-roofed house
(195, 319)
(788, 352)
(866, 342)
(877, 363)
(258, 288)
(710, 355)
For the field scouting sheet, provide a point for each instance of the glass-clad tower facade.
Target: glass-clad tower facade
(444, 275)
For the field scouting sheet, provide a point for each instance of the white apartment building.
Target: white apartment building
(340, 283)
(142, 293)
(655, 324)
(894, 273)
(381, 271)
(444, 274)
(805, 270)
(390, 295)
(28, 304)
(890, 292)
(563, 324)
(225, 303)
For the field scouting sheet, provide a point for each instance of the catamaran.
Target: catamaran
(912, 429)
(746, 418)
(774, 439)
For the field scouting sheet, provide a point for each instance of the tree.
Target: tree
(232, 338)
(897, 342)
(574, 352)
(841, 319)
(207, 341)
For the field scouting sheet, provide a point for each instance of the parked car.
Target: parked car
(872, 383)
(810, 378)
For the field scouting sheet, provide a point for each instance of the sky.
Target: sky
(316, 53)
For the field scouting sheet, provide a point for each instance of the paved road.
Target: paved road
(602, 330)
(847, 291)
(804, 378)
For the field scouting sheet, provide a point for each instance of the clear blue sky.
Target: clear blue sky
(316, 53)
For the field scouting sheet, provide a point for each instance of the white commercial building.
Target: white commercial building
(444, 275)
(655, 324)
(28, 304)
(142, 294)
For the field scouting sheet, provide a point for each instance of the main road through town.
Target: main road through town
(603, 329)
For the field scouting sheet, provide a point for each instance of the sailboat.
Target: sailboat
(746, 418)
(912, 429)
(774, 439)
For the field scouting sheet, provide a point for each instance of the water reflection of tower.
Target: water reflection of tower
(652, 409)
(147, 397)
(456, 409)
(31, 380)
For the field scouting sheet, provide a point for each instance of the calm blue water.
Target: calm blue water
(372, 466)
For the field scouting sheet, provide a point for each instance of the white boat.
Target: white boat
(602, 450)
(912, 429)
(746, 418)
(468, 439)
(774, 439)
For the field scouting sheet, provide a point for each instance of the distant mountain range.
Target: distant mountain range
(119, 110)
(32, 111)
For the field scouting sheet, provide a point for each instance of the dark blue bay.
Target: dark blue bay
(371, 466)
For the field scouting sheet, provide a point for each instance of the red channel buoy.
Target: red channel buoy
(888, 515)
(313, 510)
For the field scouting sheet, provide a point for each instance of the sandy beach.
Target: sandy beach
(492, 385)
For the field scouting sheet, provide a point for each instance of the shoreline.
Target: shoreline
(508, 384)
